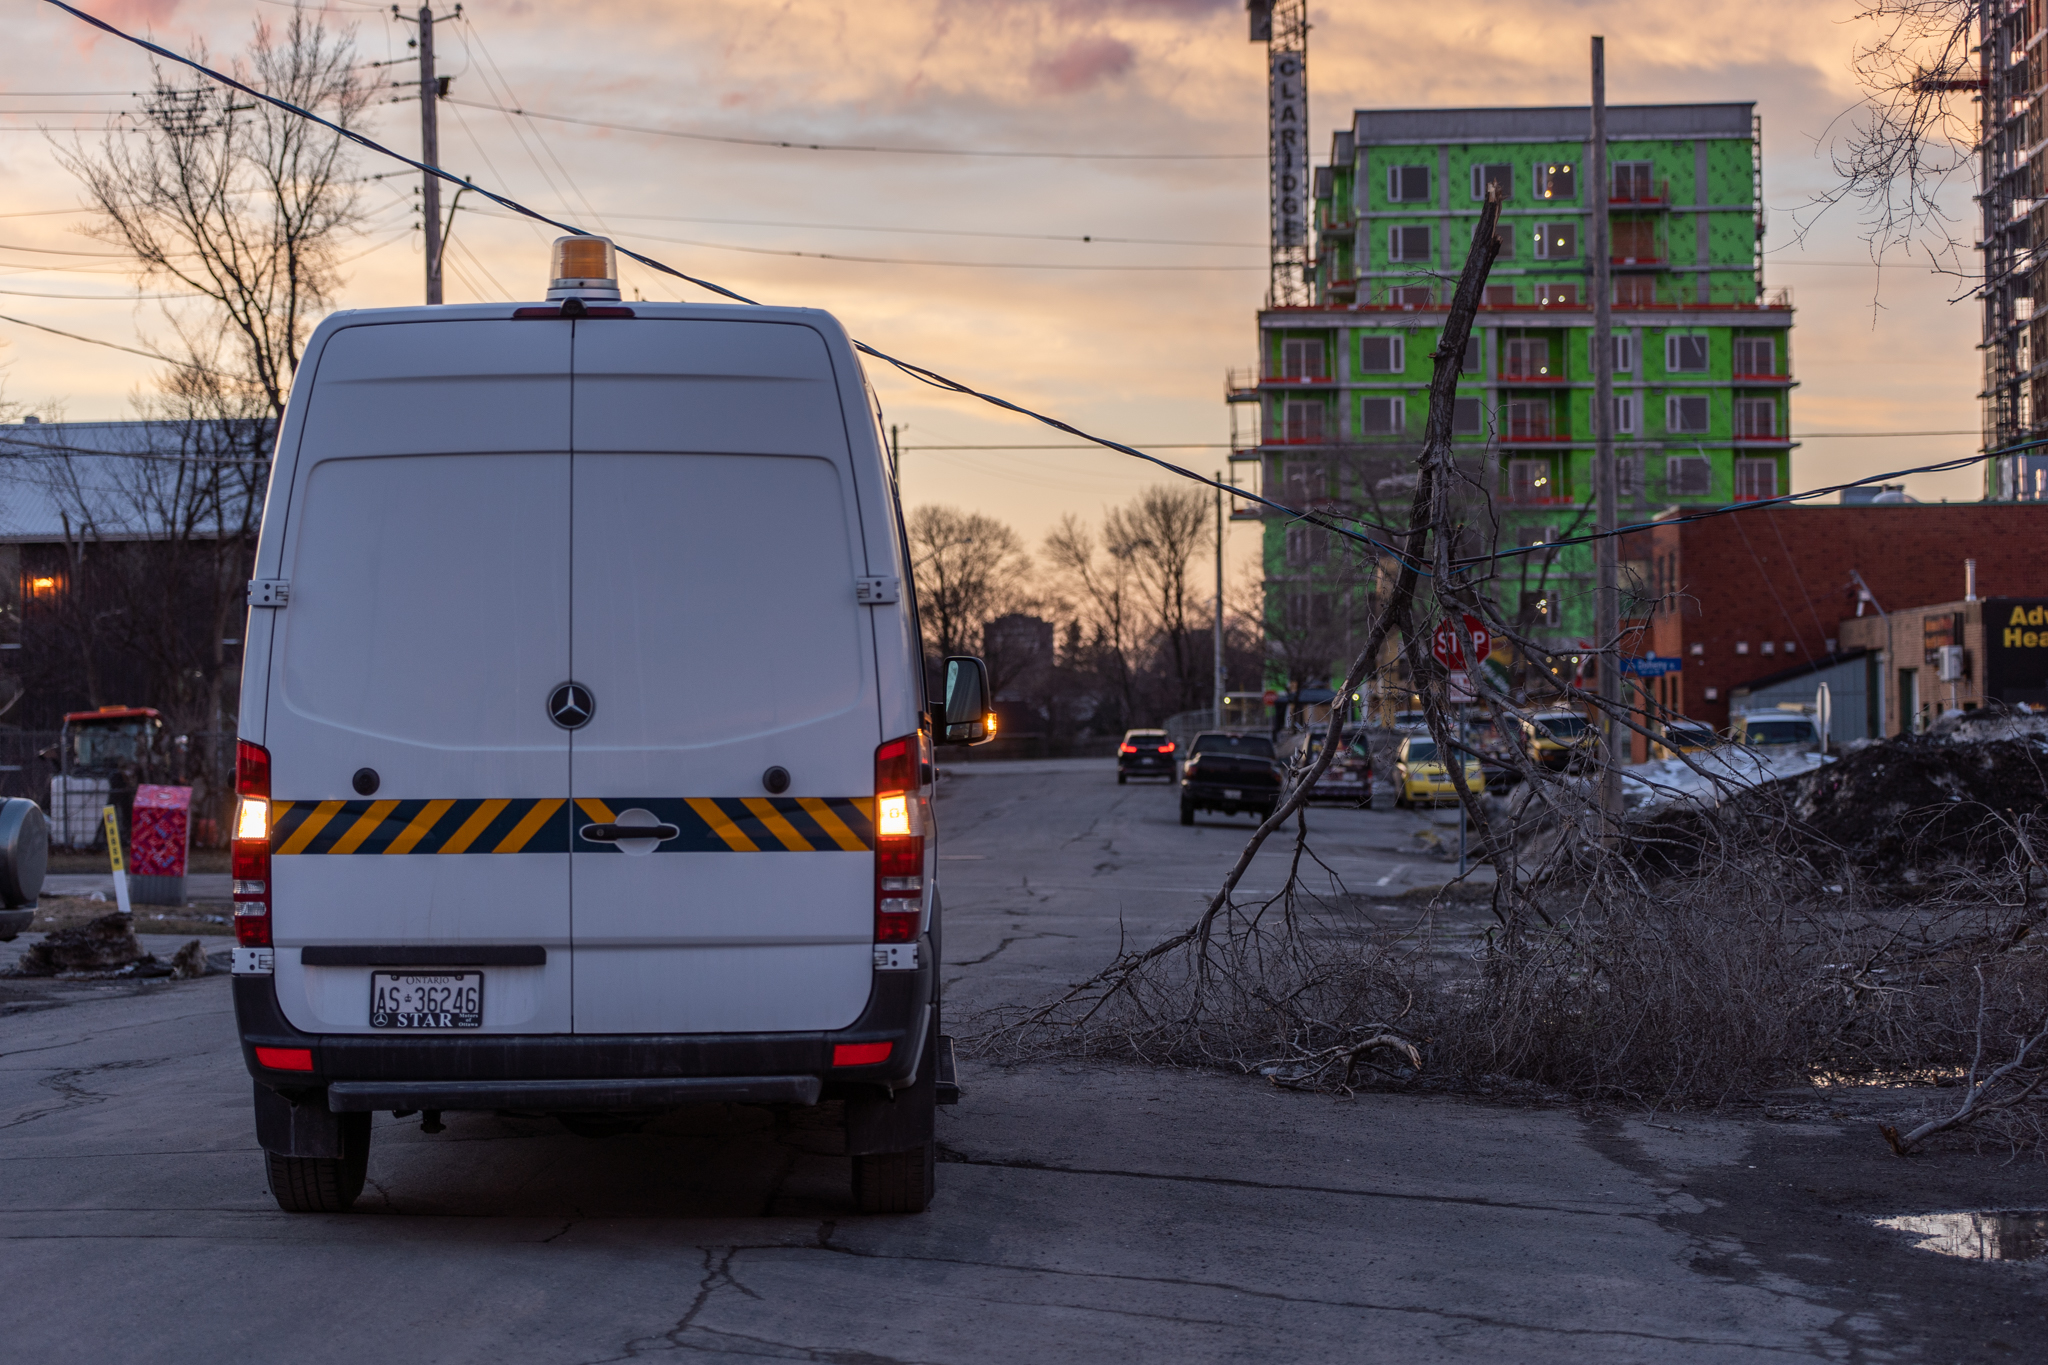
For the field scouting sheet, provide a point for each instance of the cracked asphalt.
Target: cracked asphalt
(1084, 1213)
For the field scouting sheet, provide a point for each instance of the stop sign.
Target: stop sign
(1449, 649)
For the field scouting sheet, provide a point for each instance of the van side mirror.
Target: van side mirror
(964, 716)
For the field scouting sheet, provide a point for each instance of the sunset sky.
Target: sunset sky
(1127, 347)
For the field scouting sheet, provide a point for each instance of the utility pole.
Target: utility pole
(1219, 600)
(1606, 553)
(430, 152)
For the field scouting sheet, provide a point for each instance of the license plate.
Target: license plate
(411, 1000)
(1233, 795)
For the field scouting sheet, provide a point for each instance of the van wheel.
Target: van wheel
(896, 1182)
(320, 1184)
(1187, 813)
(1120, 779)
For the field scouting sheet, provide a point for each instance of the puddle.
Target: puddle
(1997, 1235)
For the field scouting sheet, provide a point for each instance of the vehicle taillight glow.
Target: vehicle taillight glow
(899, 841)
(1127, 748)
(860, 1054)
(1167, 747)
(285, 1058)
(251, 853)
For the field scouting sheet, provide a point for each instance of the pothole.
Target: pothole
(1993, 1235)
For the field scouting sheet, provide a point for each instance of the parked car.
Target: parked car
(1422, 777)
(1412, 722)
(1230, 775)
(1349, 777)
(1782, 730)
(1554, 738)
(447, 604)
(1144, 753)
(1680, 736)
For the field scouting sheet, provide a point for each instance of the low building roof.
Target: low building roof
(61, 481)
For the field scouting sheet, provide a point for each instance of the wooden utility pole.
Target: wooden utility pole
(430, 152)
(1606, 561)
(1218, 632)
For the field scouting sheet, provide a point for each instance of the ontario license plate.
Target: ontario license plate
(1233, 795)
(409, 1000)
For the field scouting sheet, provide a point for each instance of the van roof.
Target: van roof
(637, 309)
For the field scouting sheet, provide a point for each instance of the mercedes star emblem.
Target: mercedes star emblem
(571, 705)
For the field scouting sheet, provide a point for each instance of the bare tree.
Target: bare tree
(1158, 534)
(1102, 583)
(970, 569)
(243, 205)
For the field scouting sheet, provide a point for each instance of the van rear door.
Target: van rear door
(716, 543)
(427, 549)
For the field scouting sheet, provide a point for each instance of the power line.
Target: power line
(924, 231)
(792, 145)
(97, 298)
(113, 346)
(907, 260)
(939, 381)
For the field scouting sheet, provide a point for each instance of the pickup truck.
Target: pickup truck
(1229, 774)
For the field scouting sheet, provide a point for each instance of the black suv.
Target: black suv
(1144, 753)
(1229, 774)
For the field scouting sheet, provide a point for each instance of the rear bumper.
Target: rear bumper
(1211, 796)
(345, 1097)
(478, 1071)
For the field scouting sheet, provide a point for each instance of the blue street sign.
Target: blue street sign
(1650, 666)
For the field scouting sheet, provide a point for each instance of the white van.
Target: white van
(585, 758)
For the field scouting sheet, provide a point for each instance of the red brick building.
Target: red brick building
(1755, 595)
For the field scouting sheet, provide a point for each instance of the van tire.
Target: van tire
(321, 1184)
(1187, 813)
(1120, 779)
(896, 1182)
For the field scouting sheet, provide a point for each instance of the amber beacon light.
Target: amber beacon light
(583, 267)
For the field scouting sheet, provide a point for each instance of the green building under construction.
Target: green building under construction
(1702, 364)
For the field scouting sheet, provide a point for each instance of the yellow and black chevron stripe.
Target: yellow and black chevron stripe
(707, 824)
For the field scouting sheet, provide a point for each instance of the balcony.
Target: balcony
(1657, 196)
(1638, 263)
(1519, 374)
(1533, 427)
(1743, 378)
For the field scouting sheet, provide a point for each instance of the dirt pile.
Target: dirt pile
(107, 949)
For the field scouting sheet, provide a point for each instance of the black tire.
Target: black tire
(1401, 801)
(1187, 813)
(1120, 779)
(319, 1184)
(896, 1182)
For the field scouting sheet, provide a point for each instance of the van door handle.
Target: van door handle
(611, 834)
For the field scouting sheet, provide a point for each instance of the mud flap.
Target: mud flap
(905, 1120)
(307, 1128)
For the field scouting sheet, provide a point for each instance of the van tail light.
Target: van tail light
(899, 839)
(251, 855)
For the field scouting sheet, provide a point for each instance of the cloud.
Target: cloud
(1082, 63)
(135, 14)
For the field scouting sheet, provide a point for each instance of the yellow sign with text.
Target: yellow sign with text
(2022, 628)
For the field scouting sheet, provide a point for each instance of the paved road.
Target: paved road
(1084, 1214)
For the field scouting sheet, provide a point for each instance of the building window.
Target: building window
(1381, 355)
(1632, 183)
(1306, 545)
(1465, 417)
(1628, 476)
(1684, 352)
(1304, 422)
(1540, 608)
(1408, 184)
(1413, 296)
(1525, 357)
(1770, 647)
(1408, 243)
(1634, 241)
(1756, 418)
(1686, 413)
(1302, 360)
(1308, 611)
(1755, 479)
(1557, 295)
(1624, 414)
(1471, 363)
(1504, 235)
(1635, 291)
(1528, 420)
(1624, 352)
(1306, 481)
(1529, 481)
(1381, 416)
(1756, 356)
(1502, 176)
(1688, 476)
(1555, 181)
(1499, 296)
(1557, 241)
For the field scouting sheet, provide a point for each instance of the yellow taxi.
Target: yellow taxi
(1421, 777)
